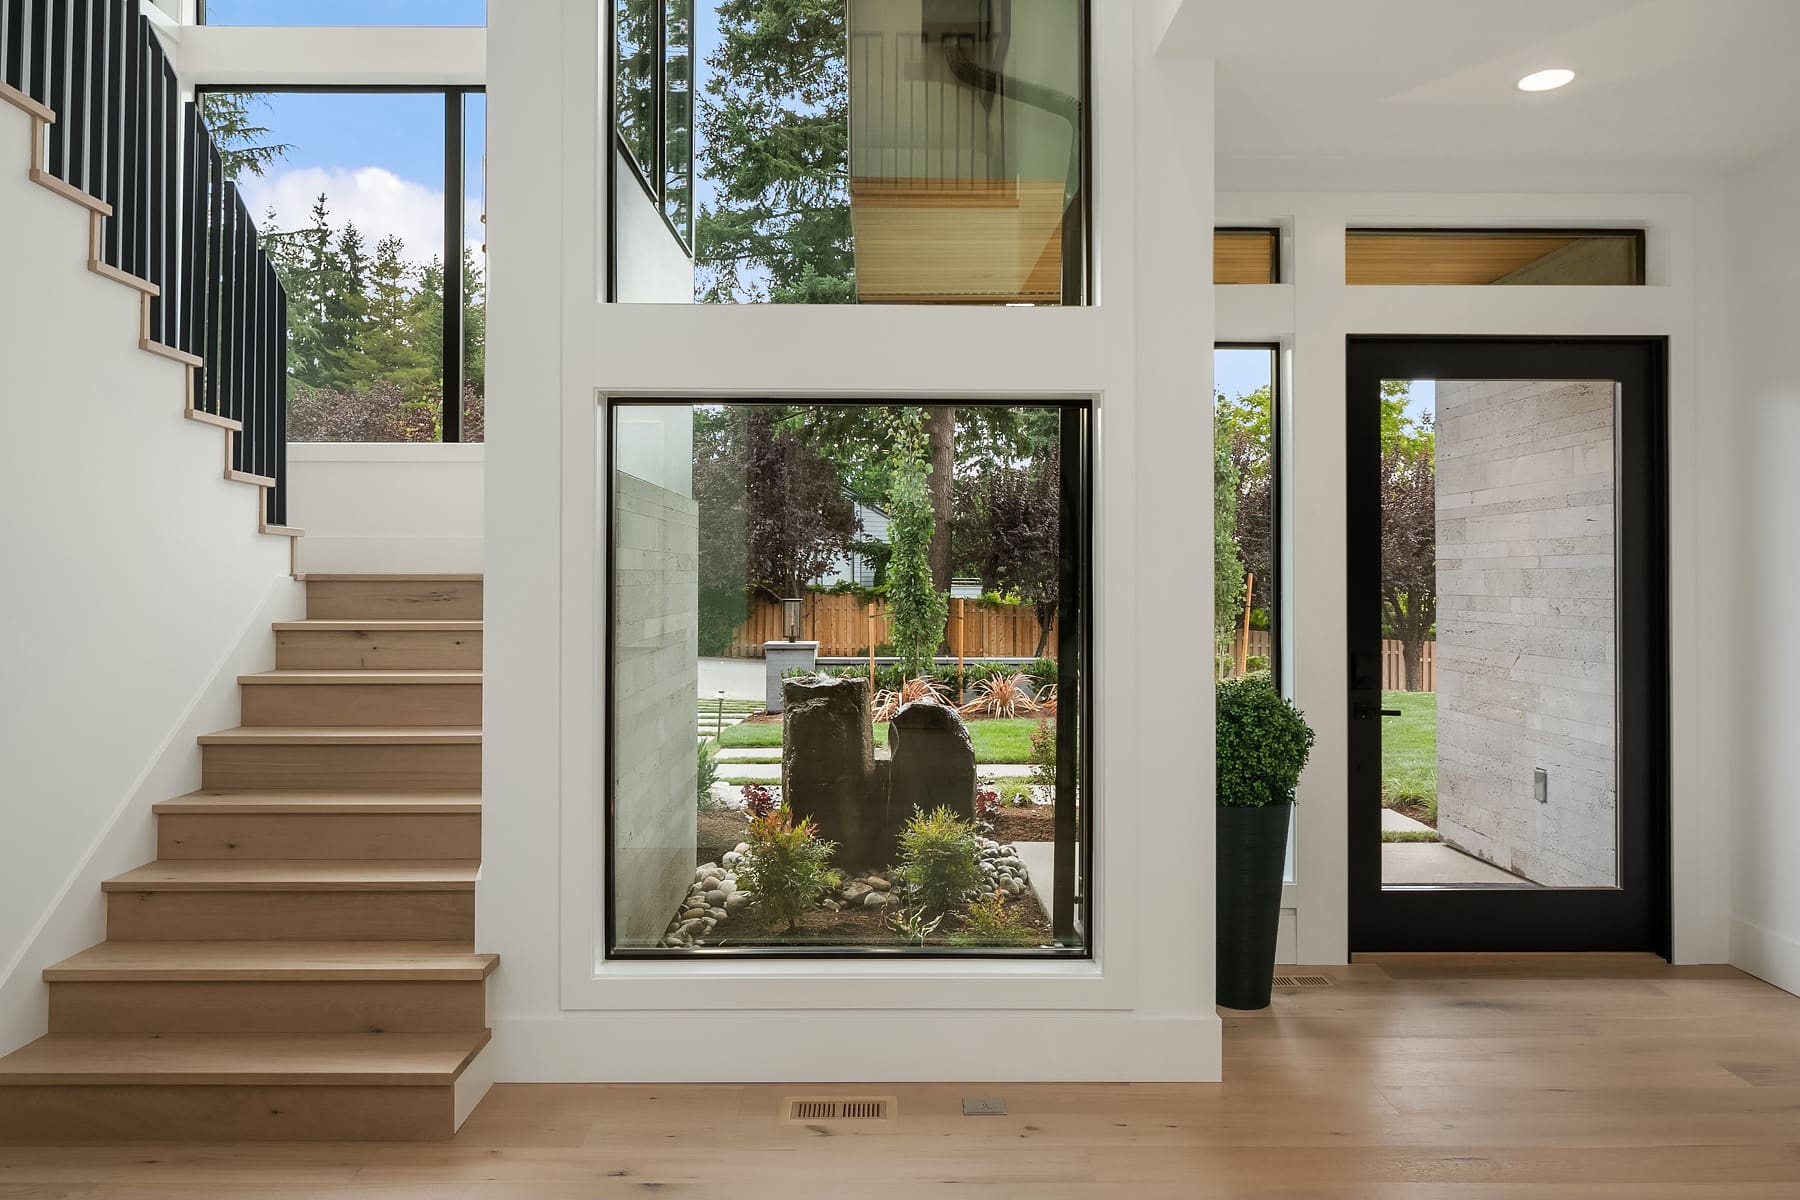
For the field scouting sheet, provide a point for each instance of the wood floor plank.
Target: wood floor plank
(1614, 1081)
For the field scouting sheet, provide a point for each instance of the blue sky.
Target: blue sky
(379, 158)
(346, 12)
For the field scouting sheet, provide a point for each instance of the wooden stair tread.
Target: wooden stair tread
(244, 1060)
(374, 625)
(299, 875)
(272, 961)
(361, 677)
(214, 801)
(344, 735)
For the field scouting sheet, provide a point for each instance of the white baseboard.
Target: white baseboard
(874, 1046)
(1770, 956)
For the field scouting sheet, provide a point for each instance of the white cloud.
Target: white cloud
(377, 200)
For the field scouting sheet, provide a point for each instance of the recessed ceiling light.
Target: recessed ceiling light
(1546, 81)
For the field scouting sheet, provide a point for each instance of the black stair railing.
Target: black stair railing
(124, 135)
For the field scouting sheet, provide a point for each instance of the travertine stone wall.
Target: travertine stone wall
(1526, 627)
(656, 614)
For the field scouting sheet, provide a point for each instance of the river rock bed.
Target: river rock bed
(714, 899)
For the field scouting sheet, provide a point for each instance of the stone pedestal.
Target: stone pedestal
(782, 657)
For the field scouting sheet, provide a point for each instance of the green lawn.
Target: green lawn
(1409, 755)
(996, 741)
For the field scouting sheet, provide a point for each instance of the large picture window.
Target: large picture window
(370, 203)
(847, 688)
(861, 151)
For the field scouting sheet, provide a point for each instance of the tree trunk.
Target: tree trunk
(940, 429)
(1043, 619)
(1412, 653)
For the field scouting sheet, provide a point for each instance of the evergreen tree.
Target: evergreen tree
(242, 145)
(776, 122)
(917, 610)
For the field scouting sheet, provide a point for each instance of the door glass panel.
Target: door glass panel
(1499, 667)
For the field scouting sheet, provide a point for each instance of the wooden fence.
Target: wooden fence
(842, 627)
(1393, 662)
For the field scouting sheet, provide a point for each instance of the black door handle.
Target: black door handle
(1363, 712)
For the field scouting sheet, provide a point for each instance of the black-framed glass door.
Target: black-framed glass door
(1508, 645)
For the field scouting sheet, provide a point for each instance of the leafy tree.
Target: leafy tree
(1228, 568)
(1009, 524)
(797, 519)
(776, 126)
(917, 610)
(1243, 424)
(1408, 484)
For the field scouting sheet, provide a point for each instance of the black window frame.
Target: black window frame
(452, 375)
(653, 177)
(1073, 909)
(1277, 487)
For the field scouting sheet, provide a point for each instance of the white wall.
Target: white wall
(1143, 1009)
(1764, 590)
(652, 267)
(134, 575)
(387, 507)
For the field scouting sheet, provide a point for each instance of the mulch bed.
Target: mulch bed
(1034, 824)
(855, 926)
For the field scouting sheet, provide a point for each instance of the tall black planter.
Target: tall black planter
(1252, 852)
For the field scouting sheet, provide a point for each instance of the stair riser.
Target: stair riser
(368, 768)
(363, 1006)
(248, 836)
(330, 704)
(291, 916)
(407, 600)
(263, 1113)
(378, 650)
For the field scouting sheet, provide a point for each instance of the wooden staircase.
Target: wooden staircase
(298, 962)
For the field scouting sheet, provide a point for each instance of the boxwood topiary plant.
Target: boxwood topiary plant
(1263, 743)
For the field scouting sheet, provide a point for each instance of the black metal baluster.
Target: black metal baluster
(99, 38)
(193, 233)
(130, 146)
(57, 86)
(156, 149)
(278, 334)
(37, 84)
(253, 343)
(215, 286)
(12, 42)
(229, 394)
(74, 119)
(241, 373)
(118, 52)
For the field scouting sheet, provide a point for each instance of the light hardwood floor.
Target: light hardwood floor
(1416, 1078)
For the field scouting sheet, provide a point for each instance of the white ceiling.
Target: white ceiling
(1661, 85)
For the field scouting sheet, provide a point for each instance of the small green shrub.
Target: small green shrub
(1042, 672)
(1263, 743)
(788, 868)
(940, 859)
(1043, 754)
(706, 773)
(1256, 664)
(989, 922)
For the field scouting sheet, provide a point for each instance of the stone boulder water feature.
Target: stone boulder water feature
(830, 770)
